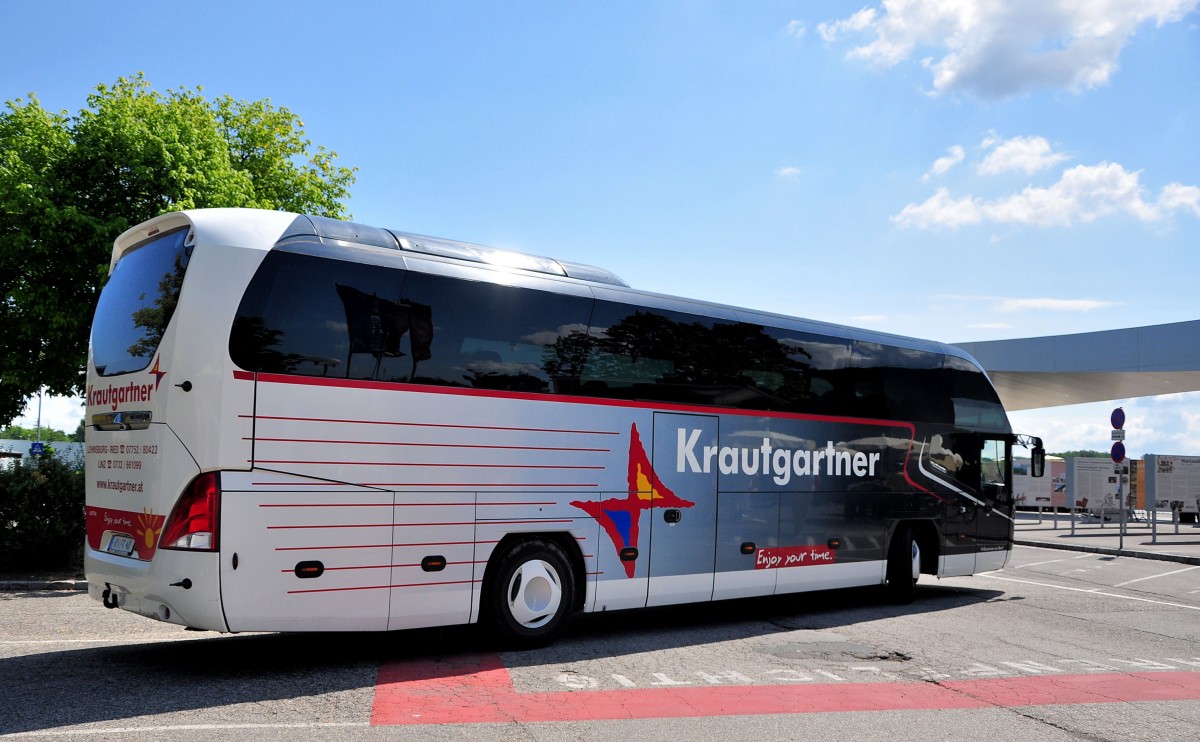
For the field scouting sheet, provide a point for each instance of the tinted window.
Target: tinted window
(312, 315)
(320, 317)
(898, 383)
(973, 461)
(917, 385)
(488, 336)
(814, 378)
(638, 353)
(958, 456)
(137, 304)
(976, 404)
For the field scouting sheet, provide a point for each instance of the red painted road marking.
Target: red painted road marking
(479, 689)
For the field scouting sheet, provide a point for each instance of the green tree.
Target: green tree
(18, 433)
(41, 515)
(70, 184)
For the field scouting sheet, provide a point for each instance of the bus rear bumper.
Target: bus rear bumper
(176, 586)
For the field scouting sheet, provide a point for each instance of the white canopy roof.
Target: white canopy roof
(1092, 367)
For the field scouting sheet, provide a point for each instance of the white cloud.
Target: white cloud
(1168, 424)
(57, 413)
(942, 165)
(941, 210)
(868, 319)
(789, 173)
(860, 21)
(999, 48)
(1070, 428)
(1010, 305)
(1026, 154)
(1179, 196)
(797, 29)
(1053, 305)
(1083, 193)
(990, 326)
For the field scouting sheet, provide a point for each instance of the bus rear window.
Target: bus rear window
(136, 304)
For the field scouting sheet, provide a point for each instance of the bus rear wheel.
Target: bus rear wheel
(530, 597)
(903, 566)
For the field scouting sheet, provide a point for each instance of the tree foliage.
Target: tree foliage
(70, 184)
(18, 433)
(41, 515)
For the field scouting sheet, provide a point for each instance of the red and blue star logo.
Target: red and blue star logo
(619, 517)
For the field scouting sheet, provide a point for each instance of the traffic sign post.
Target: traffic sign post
(1118, 456)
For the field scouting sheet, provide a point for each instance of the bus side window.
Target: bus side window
(899, 383)
(965, 458)
(315, 316)
(652, 354)
(666, 356)
(976, 404)
(814, 378)
(490, 336)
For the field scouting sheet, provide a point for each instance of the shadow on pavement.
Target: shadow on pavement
(93, 684)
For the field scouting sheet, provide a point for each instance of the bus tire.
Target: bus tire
(531, 596)
(903, 566)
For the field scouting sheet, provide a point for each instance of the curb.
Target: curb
(21, 586)
(1162, 557)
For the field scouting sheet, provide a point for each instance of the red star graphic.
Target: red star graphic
(158, 375)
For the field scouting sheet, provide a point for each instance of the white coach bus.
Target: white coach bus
(302, 424)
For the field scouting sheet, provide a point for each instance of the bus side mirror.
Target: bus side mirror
(1037, 464)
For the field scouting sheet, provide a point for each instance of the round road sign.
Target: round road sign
(1118, 418)
(1118, 452)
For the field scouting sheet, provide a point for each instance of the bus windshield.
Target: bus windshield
(137, 303)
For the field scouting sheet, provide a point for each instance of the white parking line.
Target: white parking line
(1095, 591)
(1151, 577)
(1038, 564)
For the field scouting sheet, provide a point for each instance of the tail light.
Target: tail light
(193, 522)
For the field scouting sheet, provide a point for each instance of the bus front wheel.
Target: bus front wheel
(903, 566)
(531, 595)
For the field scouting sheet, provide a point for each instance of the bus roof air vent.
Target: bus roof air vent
(338, 231)
(503, 258)
(306, 227)
(592, 273)
(478, 253)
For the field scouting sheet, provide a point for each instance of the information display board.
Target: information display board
(1173, 482)
(1095, 480)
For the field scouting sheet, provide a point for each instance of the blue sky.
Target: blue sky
(953, 171)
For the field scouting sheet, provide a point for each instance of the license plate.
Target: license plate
(121, 545)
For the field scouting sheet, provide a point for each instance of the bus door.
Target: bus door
(683, 523)
(974, 472)
(995, 524)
